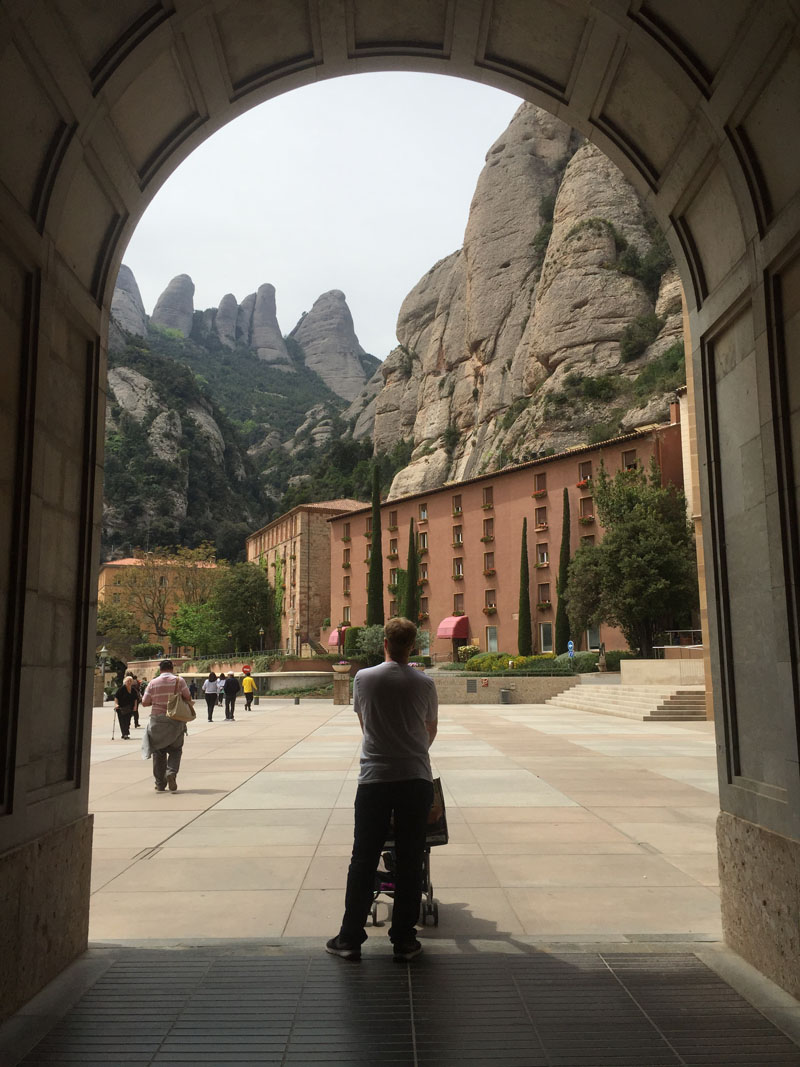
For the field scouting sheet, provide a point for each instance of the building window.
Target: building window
(423, 542)
(458, 603)
(490, 598)
(162, 580)
(368, 524)
(586, 506)
(457, 504)
(346, 584)
(488, 562)
(585, 472)
(393, 576)
(423, 513)
(491, 639)
(369, 553)
(593, 638)
(540, 518)
(115, 598)
(345, 530)
(540, 483)
(542, 555)
(488, 497)
(345, 557)
(392, 520)
(393, 545)
(546, 636)
(588, 539)
(458, 535)
(423, 572)
(544, 593)
(392, 608)
(346, 613)
(629, 460)
(488, 530)
(458, 567)
(423, 605)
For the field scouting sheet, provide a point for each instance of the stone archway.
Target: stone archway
(697, 103)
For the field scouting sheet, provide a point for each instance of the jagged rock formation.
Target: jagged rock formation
(265, 335)
(127, 309)
(225, 320)
(498, 340)
(330, 345)
(175, 307)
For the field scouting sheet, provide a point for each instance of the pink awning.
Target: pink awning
(454, 626)
(334, 638)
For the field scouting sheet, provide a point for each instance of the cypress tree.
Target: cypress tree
(562, 619)
(375, 586)
(524, 631)
(409, 606)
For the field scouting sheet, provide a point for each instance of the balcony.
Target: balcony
(544, 605)
(490, 609)
(392, 555)
(540, 526)
(489, 572)
(345, 565)
(487, 507)
(458, 577)
(586, 520)
(542, 563)
(487, 538)
(583, 483)
(537, 494)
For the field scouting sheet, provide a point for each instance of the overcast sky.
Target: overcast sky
(359, 184)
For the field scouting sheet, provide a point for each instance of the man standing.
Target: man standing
(398, 710)
(231, 688)
(249, 687)
(163, 738)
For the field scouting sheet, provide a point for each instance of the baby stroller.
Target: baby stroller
(436, 834)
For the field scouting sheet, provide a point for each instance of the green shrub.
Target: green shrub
(466, 652)
(582, 662)
(523, 663)
(489, 661)
(603, 388)
(147, 650)
(351, 640)
(637, 335)
(664, 373)
(613, 659)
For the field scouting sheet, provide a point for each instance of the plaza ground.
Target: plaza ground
(579, 908)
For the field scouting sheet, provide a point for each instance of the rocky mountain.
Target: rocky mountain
(330, 345)
(557, 322)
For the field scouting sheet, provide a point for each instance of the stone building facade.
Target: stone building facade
(296, 548)
(470, 540)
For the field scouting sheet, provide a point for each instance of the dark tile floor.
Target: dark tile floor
(576, 1009)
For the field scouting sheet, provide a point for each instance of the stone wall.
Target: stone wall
(451, 687)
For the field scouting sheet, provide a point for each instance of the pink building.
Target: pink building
(470, 540)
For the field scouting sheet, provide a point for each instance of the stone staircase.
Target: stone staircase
(648, 703)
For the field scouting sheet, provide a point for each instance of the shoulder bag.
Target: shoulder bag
(178, 708)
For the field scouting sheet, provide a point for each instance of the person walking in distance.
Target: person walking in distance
(139, 692)
(221, 689)
(125, 700)
(249, 688)
(398, 711)
(210, 689)
(231, 689)
(163, 739)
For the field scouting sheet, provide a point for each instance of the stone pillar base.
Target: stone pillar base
(341, 688)
(44, 910)
(759, 874)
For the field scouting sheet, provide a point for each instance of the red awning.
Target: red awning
(334, 638)
(454, 626)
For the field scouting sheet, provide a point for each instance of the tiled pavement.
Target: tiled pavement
(578, 904)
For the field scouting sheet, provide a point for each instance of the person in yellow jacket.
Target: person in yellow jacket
(249, 687)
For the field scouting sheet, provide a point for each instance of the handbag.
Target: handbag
(178, 707)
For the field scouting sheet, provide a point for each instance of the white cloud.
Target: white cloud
(359, 183)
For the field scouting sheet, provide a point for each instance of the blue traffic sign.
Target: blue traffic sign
(570, 646)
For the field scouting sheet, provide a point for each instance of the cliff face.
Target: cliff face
(330, 346)
(496, 341)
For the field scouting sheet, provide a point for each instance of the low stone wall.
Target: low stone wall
(662, 672)
(452, 688)
(273, 681)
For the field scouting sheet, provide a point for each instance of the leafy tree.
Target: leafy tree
(644, 569)
(198, 626)
(117, 629)
(369, 643)
(584, 589)
(280, 590)
(144, 588)
(375, 615)
(195, 573)
(524, 628)
(244, 601)
(409, 606)
(562, 619)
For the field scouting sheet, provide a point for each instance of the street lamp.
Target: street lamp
(103, 653)
(261, 639)
(230, 641)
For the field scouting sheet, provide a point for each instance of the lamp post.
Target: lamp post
(103, 654)
(261, 639)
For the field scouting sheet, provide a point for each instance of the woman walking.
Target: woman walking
(210, 690)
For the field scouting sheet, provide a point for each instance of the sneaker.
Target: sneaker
(407, 950)
(160, 788)
(172, 783)
(341, 948)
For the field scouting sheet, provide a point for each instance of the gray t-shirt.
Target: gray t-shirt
(395, 702)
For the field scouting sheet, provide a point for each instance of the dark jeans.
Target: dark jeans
(248, 701)
(410, 802)
(211, 703)
(230, 704)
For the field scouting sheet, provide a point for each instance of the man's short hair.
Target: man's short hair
(165, 665)
(400, 634)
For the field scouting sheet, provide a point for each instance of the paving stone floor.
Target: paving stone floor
(535, 1009)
